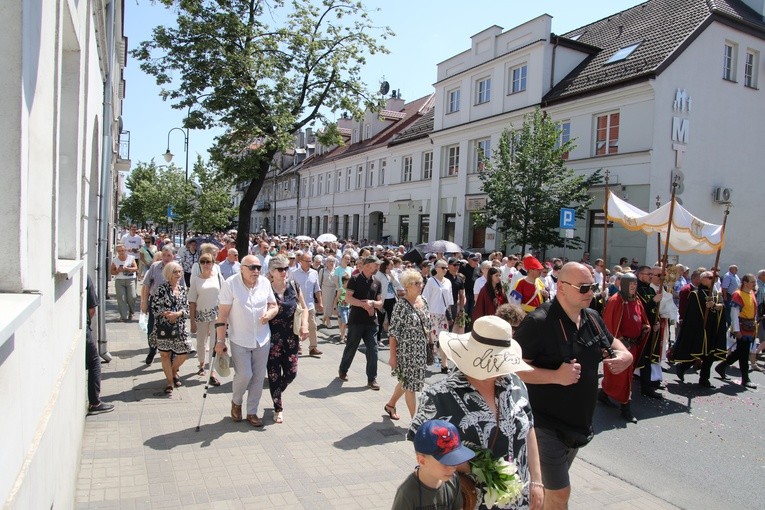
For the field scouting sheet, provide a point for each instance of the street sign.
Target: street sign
(567, 218)
(170, 213)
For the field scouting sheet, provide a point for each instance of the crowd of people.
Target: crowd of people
(520, 341)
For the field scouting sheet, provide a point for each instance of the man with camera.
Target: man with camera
(565, 342)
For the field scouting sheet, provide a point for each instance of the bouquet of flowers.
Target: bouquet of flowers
(462, 319)
(497, 479)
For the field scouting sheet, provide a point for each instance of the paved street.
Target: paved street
(336, 449)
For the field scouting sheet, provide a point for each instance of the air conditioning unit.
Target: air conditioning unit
(722, 195)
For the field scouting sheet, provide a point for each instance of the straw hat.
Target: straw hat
(487, 351)
(223, 364)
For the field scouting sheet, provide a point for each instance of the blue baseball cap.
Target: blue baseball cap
(441, 439)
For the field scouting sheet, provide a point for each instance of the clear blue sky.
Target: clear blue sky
(427, 32)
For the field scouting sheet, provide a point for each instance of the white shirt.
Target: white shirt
(438, 295)
(120, 264)
(477, 286)
(247, 308)
(132, 243)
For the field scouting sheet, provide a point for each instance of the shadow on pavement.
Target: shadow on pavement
(208, 433)
(334, 388)
(374, 434)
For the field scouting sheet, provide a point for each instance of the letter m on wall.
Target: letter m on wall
(680, 129)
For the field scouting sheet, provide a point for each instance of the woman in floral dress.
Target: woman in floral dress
(488, 403)
(283, 356)
(170, 306)
(408, 335)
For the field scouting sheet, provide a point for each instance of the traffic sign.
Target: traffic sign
(567, 218)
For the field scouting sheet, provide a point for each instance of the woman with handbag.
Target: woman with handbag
(203, 308)
(438, 294)
(283, 355)
(409, 333)
(170, 308)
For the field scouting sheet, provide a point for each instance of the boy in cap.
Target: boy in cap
(434, 482)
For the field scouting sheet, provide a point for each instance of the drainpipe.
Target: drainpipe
(107, 145)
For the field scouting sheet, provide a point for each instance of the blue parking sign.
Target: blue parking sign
(567, 218)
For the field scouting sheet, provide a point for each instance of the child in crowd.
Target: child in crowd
(434, 482)
(343, 308)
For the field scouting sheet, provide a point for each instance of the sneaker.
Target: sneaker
(749, 384)
(373, 386)
(342, 376)
(101, 408)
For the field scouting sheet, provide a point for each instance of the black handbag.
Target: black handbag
(168, 331)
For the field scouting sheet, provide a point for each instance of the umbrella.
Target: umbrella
(303, 238)
(327, 238)
(414, 255)
(206, 239)
(442, 246)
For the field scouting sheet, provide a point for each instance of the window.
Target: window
(424, 228)
(518, 79)
(481, 152)
(450, 222)
(339, 180)
(622, 53)
(564, 136)
(483, 91)
(367, 131)
(328, 184)
(311, 187)
(452, 160)
(751, 68)
(403, 229)
(371, 175)
(348, 179)
(607, 134)
(305, 187)
(729, 61)
(454, 101)
(406, 169)
(359, 174)
(427, 165)
(321, 181)
(383, 164)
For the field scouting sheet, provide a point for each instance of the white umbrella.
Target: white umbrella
(441, 246)
(304, 238)
(327, 238)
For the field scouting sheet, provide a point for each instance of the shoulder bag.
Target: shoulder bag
(297, 319)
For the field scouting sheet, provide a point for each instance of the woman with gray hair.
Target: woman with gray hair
(328, 284)
(408, 335)
(170, 307)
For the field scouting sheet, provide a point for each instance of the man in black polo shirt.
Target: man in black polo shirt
(469, 271)
(565, 342)
(364, 296)
(458, 289)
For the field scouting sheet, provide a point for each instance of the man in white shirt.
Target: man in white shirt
(263, 256)
(508, 269)
(246, 304)
(308, 280)
(132, 241)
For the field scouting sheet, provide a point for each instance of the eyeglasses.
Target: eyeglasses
(178, 271)
(584, 288)
(417, 284)
(205, 261)
(280, 269)
(252, 267)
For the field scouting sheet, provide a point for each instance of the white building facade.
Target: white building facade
(664, 89)
(62, 65)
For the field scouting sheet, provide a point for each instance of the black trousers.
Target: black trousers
(706, 367)
(743, 345)
(93, 365)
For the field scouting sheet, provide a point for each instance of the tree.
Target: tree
(263, 70)
(528, 183)
(212, 211)
(152, 190)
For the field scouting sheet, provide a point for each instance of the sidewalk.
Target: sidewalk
(336, 448)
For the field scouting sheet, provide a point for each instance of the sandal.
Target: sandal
(391, 412)
(278, 418)
(169, 389)
(214, 381)
(177, 382)
(201, 371)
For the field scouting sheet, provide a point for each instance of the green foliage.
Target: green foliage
(212, 211)
(263, 70)
(152, 189)
(528, 183)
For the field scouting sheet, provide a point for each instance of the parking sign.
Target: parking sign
(567, 218)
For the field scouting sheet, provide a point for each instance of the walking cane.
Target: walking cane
(207, 386)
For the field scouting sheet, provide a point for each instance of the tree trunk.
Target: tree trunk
(245, 210)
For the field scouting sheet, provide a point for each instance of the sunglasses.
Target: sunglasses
(178, 271)
(252, 267)
(280, 269)
(585, 288)
(205, 261)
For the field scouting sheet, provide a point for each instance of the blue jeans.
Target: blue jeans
(356, 333)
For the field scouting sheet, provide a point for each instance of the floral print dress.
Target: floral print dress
(283, 356)
(408, 325)
(453, 399)
(166, 301)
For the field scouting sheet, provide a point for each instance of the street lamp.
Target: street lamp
(169, 157)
